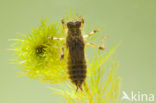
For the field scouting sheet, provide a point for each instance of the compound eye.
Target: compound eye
(70, 25)
(78, 24)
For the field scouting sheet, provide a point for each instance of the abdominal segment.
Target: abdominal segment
(77, 73)
(76, 64)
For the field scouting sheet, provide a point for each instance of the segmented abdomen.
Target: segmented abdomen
(77, 73)
(76, 61)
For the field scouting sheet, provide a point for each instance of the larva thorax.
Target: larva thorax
(76, 64)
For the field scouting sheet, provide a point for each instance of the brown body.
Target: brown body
(76, 63)
(76, 57)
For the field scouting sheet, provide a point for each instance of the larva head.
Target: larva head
(74, 24)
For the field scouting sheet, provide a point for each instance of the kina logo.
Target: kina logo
(137, 97)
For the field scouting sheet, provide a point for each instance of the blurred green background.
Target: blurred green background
(131, 21)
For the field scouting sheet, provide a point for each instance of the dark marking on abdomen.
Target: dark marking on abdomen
(77, 73)
(77, 68)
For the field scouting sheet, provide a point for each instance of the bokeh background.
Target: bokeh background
(131, 21)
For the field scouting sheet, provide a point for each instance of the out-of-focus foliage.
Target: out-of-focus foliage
(102, 84)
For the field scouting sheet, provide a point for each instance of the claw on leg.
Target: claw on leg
(99, 47)
(82, 22)
(55, 38)
(62, 54)
(90, 34)
(64, 25)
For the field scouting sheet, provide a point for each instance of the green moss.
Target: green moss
(39, 59)
(39, 56)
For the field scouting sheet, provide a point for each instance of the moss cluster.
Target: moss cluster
(39, 56)
(39, 59)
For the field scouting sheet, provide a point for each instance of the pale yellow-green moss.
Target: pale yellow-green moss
(38, 58)
(102, 84)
